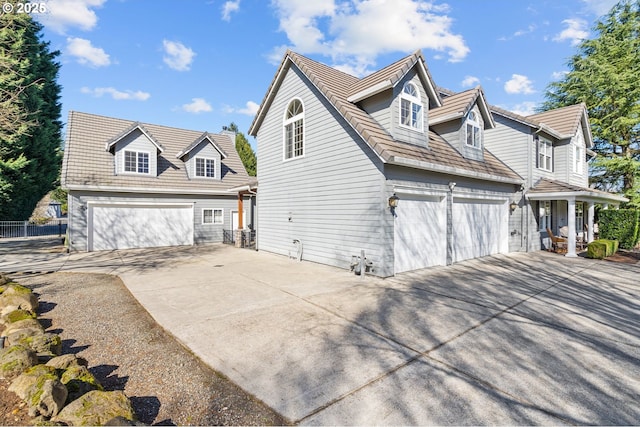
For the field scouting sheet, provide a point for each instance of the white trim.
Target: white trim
(412, 100)
(547, 154)
(583, 195)
(291, 121)
(195, 167)
(475, 124)
(124, 162)
(213, 216)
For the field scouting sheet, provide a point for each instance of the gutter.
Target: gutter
(147, 190)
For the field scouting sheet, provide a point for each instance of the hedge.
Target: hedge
(602, 248)
(622, 225)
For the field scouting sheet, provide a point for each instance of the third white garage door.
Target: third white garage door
(119, 226)
(420, 238)
(480, 228)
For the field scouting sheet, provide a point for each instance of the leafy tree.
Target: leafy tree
(246, 153)
(604, 75)
(30, 127)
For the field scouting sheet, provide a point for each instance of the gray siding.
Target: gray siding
(511, 142)
(331, 199)
(467, 151)
(204, 149)
(450, 131)
(136, 141)
(203, 233)
(379, 107)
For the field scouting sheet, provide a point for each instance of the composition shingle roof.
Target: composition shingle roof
(550, 186)
(87, 164)
(336, 86)
(564, 120)
(457, 105)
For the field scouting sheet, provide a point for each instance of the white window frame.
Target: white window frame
(213, 216)
(473, 123)
(291, 126)
(206, 161)
(137, 153)
(578, 155)
(545, 156)
(545, 214)
(579, 217)
(415, 113)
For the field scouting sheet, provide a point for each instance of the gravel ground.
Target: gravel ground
(98, 319)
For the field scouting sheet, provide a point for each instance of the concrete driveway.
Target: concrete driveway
(516, 339)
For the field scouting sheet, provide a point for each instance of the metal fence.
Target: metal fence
(27, 229)
(248, 238)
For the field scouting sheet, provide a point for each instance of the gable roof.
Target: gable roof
(566, 120)
(198, 141)
(87, 166)
(527, 121)
(110, 145)
(457, 105)
(336, 86)
(548, 189)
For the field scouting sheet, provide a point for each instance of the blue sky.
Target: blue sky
(202, 64)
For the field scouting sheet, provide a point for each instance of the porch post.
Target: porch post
(571, 217)
(590, 216)
(240, 224)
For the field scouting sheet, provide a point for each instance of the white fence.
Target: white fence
(27, 229)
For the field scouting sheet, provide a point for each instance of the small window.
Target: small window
(545, 155)
(212, 216)
(545, 215)
(473, 133)
(136, 162)
(205, 168)
(578, 155)
(294, 130)
(410, 107)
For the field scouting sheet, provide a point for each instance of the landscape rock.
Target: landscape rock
(96, 408)
(16, 315)
(41, 389)
(15, 360)
(46, 344)
(66, 361)
(79, 381)
(22, 329)
(11, 301)
(4, 279)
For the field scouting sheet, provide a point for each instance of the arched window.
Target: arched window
(294, 130)
(410, 107)
(473, 130)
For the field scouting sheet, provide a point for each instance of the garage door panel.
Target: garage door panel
(479, 228)
(420, 234)
(125, 227)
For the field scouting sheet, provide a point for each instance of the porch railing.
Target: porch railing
(247, 238)
(28, 229)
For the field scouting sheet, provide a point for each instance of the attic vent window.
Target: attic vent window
(410, 107)
(294, 130)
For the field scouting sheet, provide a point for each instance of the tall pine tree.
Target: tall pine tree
(30, 126)
(604, 75)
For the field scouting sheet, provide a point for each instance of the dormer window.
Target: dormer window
(205, 168)
(294, 130)
(473, 131)
(136, 162)
(411, 107)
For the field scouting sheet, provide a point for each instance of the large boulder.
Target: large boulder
(4, 279)
(15, 360)
(66, 361)
(15, 316)
(79, 381)
(96, 408)
(15, 297)
(22, 329)
(44, 345)
(41, 389)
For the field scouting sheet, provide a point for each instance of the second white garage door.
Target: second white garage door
(117, 226)
(480, 228)
(420, 238)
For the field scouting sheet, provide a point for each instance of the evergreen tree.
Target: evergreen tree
(246, 153)
(30, 127)
(604, 75)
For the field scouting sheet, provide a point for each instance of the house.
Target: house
(550, 150)
(135, 185)
(382, 164)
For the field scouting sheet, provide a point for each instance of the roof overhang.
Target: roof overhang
(584, 195)
(432, 167)
(146, 190)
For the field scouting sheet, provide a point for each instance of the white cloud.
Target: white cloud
(599, 7)
(575, 31)
(87, 54)
(64, 14)
(228, 8)
(116, 94)
(250, 109)
(524, 108)
(470, 81)
(197, 105)
(519, 84)
(178, 56)
(355, 32)
(559, 75)
(530, 29)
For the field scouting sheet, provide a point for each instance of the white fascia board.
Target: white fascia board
(268, 99)
(147, 190)
(585, 195)
(403, 161)
(370, 91)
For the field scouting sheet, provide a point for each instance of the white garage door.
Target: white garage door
(139, 226)
(479, 228)
(420, 233)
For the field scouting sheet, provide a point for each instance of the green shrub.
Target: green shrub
(597, 249)
(622, 225)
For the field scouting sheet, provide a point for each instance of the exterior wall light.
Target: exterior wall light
(393, 201)
(513, 206)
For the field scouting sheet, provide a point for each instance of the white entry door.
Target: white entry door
(125, 226)
(420, 233)
(480, 228)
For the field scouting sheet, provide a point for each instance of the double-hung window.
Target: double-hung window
(410, 107)
(212, 216)
(545, 154)
(474, 135)
(205, 168)
(136, 162)
(578, 155)
(294, 130)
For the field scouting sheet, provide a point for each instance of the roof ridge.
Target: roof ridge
(131, 122)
